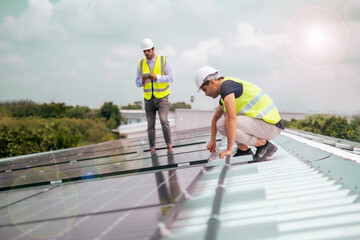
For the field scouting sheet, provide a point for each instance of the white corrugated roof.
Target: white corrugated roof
(287, 197)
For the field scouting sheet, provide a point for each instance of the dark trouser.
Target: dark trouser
(162, 106)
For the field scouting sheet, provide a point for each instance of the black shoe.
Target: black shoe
(265, 151)
(243, 153)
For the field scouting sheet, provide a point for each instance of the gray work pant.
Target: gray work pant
(162, 106)
(249, 129)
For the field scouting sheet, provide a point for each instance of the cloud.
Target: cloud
(78, 17)
(107, 18)
(198, 56)
(112, 65)
(12, 59)
(245, 36)
(126, 52)
(242, 39)
(5, 46)
(40, 7)
(351, 12)
(34, 24)
(110, 76)
(169, 51)
(82, 64)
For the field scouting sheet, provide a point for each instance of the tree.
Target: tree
(18, 141)
(111, 112)
(20, 108)
(27, 127)
(136, 105)
(337, 127)
(354, 134)
(333, 126)
(77, 112)
(66, 139)
(53, 110)
(26, 108)
(173, 106)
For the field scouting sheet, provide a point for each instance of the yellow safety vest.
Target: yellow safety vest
(159, 90)
(254, 103)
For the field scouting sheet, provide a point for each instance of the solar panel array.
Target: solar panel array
(103, 160)
(112, 190)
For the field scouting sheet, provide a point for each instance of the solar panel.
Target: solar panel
(64, 200)
(130, 197)
(186, 152)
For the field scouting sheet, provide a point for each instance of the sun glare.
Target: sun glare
(317, 38)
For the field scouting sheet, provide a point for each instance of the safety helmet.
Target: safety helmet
(202, 74)
(146, 44)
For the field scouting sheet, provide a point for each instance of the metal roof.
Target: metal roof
(301, 193)
(307, 190)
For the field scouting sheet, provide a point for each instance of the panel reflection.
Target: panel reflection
(166, 194)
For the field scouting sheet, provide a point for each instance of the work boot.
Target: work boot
(265, 151)
(240, 153)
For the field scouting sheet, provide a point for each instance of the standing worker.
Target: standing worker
(251, 117)
(154, 75)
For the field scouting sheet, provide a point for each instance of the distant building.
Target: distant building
(133, 116)
(292, 115)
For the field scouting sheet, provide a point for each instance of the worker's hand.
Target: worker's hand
(211, 146)
(224, 153)
(143, 79)
(153, 77)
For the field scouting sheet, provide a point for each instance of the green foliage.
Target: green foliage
(173, 106)
(111, 113)
(136, 105)
(2, 114)
(355, 134)
(26, 108)
(93, 114)
(27, 127)
(77, 112)
(52, 110)
(333, 126)
(17, 141)
(66, 134)
(18, 137)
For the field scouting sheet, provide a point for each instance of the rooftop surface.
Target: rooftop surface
(309, 189)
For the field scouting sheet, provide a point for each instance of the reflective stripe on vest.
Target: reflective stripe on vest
(254, 103)
(159, 90)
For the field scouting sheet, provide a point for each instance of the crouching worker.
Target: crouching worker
(250, 116)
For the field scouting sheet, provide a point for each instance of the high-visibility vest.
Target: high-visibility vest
(159, 90)
(254, 103)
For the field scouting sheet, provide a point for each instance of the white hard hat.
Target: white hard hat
(203, 73)
(146, 44)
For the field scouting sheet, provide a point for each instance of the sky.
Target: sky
(304, 54)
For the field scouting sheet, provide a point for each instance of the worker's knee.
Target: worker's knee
(164, 120)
